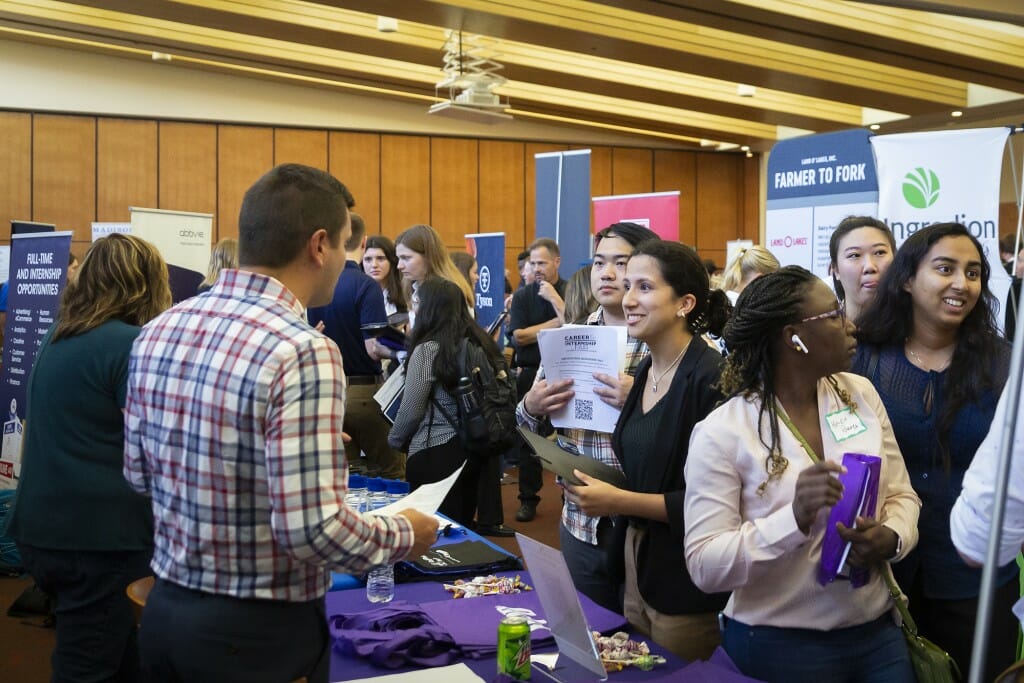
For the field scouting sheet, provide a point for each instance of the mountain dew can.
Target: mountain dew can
(514, 648)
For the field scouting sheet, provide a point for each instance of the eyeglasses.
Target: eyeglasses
(834, 313)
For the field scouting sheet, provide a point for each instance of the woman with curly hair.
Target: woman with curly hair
(760, 482)
(83, 533)
(928, 342)
(667, 305)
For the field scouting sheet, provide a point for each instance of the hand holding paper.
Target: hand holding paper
(871, 542)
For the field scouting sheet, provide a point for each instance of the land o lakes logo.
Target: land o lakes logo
(921, 188)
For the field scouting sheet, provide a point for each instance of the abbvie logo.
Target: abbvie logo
(921, 188)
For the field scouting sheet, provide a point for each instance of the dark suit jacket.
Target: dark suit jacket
(664, 582)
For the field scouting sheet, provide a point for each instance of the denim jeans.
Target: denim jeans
(588, 566)
(874, 652)
(97, 638)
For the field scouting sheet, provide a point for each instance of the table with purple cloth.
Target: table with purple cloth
(480, 624)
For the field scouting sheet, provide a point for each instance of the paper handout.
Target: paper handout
(426, 499)
(576, 352)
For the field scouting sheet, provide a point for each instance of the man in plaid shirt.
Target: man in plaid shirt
(586, 541)
(233, 424)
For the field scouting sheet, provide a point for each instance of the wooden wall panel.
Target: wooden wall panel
(64, 173)
(188, 168)
(15, 170)
(676, 170)
(404, 182)
(454, 189)
(297, 146)
(502, 195)
(600, 174)
(718, 215)
(632, 170)
(244, 153)
(749, 195)
(355, 161)
(126, 167)
(530, 182)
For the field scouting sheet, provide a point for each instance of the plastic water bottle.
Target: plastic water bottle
(396, 490)
(376, 496)
(380, 584)
(355, 498)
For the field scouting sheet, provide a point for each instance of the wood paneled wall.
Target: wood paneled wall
(73, 170)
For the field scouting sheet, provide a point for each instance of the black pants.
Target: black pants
(489, 510)
(437, 462)
(950, 625)
(96, 630)
(531, 477)
(188, 636)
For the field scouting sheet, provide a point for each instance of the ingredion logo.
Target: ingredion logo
(921, 188)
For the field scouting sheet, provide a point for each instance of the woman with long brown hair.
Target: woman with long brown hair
(83, 534)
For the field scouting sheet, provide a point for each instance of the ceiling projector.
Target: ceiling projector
(474, 106)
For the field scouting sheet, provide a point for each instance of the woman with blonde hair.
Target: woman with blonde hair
(224, 255)
(422, 254)
(83, 534)
(749, 264)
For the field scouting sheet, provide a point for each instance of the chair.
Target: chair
(138, 591)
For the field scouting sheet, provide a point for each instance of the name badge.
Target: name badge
(844, 424)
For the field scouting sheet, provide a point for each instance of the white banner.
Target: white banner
(938, 177)
(183, 239)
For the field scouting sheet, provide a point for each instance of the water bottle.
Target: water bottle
(396, 490)
(376, 496)
(380, 584)
(355, 498)
(465, 394)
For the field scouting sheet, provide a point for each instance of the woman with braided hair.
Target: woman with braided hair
(668, 305)
(760, 482)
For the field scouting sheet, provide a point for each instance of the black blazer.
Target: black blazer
(664, 582)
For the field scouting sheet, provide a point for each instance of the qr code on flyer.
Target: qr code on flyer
(584, 409)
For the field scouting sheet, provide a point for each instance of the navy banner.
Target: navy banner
(563, 204)
(39, 266)
(489, 251)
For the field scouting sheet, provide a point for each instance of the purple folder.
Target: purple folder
(860, 498)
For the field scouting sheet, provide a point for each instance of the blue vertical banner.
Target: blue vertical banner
(563, 204)
(489, 251)
(39, 267)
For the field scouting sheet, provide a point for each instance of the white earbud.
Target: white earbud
(799, 343)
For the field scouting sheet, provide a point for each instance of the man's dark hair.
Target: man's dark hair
(633, 233)
(358, 232)
(283, 209)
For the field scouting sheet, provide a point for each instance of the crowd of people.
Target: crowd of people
(215, 438)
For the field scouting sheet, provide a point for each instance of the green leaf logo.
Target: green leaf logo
(921, 188)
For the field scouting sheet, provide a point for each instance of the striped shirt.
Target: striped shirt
(599, 444)
(233, 424)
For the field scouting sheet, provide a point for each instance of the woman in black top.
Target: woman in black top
(668, 305)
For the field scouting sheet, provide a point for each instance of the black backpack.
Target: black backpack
(486, 423)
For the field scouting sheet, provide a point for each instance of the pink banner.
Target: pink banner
(658, 211)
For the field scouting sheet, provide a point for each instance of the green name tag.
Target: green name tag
(844, 424)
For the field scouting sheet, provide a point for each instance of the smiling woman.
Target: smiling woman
(930, 346)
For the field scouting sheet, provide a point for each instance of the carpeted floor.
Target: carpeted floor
(25, 644)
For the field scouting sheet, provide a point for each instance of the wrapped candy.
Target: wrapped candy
(617, 651)
(486, 585)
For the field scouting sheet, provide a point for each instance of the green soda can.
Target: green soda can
(514, 648)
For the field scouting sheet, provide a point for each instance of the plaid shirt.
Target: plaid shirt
(233, 425)
(578, 523)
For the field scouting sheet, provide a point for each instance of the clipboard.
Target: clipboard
(562, 462)
(386, 335)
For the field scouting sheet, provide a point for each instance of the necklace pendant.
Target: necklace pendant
(654, 388)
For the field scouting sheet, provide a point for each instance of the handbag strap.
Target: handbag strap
(897, 597)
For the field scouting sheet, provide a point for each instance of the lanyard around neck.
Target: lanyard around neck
(796, 433)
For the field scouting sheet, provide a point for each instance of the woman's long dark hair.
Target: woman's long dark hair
(978, 363)
(765, 306)
(393, 282)
(845, 227)
(442, 317)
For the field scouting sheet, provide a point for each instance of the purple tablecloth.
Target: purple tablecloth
(354, 600)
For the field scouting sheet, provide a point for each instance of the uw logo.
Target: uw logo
(921, 188)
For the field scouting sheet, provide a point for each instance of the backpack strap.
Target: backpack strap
(463, 357)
